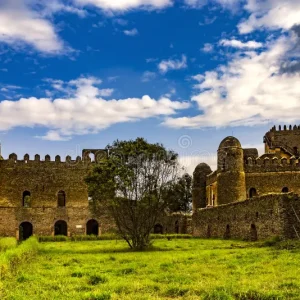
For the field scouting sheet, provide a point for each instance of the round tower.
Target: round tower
(231, 184)
(199, 186)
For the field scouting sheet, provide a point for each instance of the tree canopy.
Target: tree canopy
(131, 182)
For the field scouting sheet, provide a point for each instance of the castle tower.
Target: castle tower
(231, 184)
(199, 186)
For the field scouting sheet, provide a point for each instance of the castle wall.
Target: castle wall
(266, 216)
(43, 179)
(43, 220)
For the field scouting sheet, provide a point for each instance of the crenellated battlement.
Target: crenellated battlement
(57, 161)
(285, 128)
(271, 164)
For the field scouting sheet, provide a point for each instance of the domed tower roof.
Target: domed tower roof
(230, 141)
(202, 168)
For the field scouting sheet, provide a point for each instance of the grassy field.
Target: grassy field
(183, 269)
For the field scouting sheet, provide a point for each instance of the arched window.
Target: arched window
(25, 231)
(252, 192)
(61, 199)
(158, 229)
(92, 227)
(61, 228)
(285, 190)
(26, 199)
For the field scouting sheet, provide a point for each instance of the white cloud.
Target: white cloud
(271, 14)
(250, 90)
(82, 111)
(208, 48)
(123, 5)
(20, 24)
(131, 32)
(231, 4)
(172, 64)
(239, 44)
(148, 76)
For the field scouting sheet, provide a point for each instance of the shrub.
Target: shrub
(7, 243)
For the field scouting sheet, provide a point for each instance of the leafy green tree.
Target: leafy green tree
(130, 183)
(179, 194)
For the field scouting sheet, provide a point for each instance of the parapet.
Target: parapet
(46, 161)
(271, 164)
(285, 128)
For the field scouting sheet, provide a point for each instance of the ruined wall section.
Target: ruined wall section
(260, 217)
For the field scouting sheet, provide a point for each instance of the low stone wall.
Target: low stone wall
(257, 218)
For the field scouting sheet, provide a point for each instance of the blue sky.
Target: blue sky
(81, 73)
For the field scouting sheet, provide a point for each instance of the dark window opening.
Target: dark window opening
(158, 229)
(257, 215)
(92, 227)
(285, 190)
(253, 233)
(61, 199)
(252, 192)
(296, 151)
(177, 227)
(227, 232)
(26, 199)
(25, 231)
(61, 228)
(208, 232)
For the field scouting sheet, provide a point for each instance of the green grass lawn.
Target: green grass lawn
(186, 269)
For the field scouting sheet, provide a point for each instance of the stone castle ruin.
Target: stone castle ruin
(50, 197)
(247, 197)
(250, 196)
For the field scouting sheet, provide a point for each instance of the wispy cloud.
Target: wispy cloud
(241, 45)
(131, 32)
(148, 76)
(172, 64)
(208, 48)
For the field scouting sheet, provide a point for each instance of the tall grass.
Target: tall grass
(187, 269)
(7, 243)
(13, 258)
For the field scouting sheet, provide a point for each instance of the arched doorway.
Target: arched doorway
(253, 233)
(227, 232)
(252, 192)
(61, 228)
(158, 229)
(285, 190)
(92, 227)
(25, 231)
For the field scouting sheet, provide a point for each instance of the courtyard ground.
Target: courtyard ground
(183, 269)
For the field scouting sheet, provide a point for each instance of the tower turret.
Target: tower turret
(231, 184)
(199, 186)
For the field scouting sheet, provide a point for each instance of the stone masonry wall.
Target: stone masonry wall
(266, 216)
